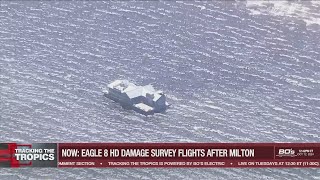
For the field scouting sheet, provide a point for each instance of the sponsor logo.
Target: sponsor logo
(289, 152)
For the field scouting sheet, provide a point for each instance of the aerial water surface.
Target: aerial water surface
(233, 72)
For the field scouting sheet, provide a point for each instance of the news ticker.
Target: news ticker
(162, 155)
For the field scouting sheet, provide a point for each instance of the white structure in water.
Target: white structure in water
(143, 99)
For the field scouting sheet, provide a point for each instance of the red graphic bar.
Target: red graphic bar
(7, 155)
(189, 155)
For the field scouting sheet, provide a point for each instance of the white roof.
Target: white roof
(138, 91)
(121, 85)
(135, 91)
(144, 107)
(149, 88)
(130, 88)
(157, 96)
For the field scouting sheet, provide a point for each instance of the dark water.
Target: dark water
(232, 76)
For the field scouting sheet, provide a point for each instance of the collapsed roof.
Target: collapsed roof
(134, 91)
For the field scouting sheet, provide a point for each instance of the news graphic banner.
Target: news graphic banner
(162, 155)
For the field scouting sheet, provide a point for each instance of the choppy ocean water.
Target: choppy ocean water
(234, 72)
